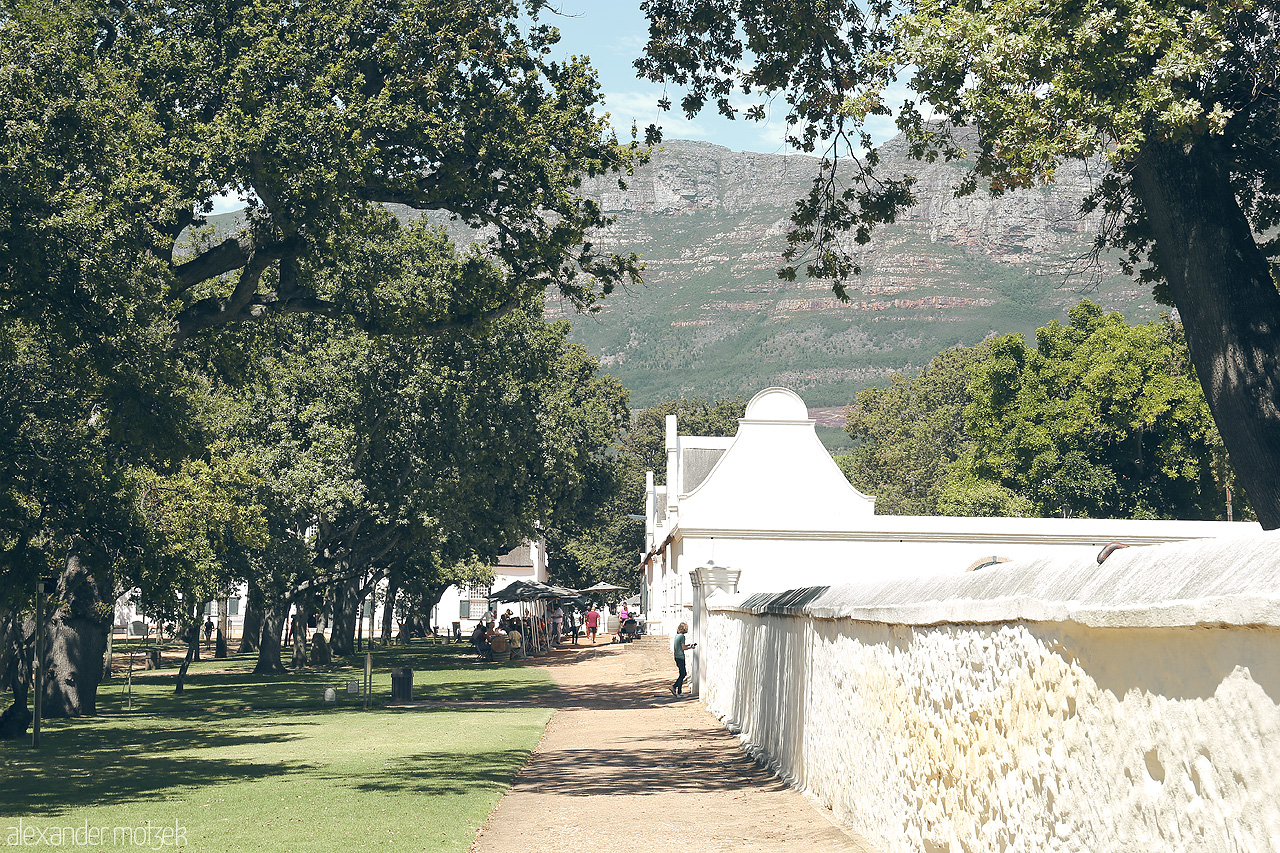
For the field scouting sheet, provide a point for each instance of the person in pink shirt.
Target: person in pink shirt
(593, 622)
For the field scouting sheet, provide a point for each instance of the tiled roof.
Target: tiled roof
(517, 556)
(698, 462)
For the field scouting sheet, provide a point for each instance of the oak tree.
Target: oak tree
(908, 434)
(125, 119)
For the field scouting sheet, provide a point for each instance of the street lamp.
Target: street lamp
(44, 586)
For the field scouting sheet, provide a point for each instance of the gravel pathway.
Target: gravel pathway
(625, 765)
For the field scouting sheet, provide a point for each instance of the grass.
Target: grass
(244, 762)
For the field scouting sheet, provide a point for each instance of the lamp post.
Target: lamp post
(44, 587)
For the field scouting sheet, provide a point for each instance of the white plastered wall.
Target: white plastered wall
(1130, 707)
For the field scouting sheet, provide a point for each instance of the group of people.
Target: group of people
(496, 636)
(576, 623)
(493, 637)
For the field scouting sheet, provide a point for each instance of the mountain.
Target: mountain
(713, 318)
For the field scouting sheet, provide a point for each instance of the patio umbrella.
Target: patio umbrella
(527, 593)
(554, 591)
(518, 591)
(604, 587)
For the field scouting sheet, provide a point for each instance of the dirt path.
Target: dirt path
(625, 764)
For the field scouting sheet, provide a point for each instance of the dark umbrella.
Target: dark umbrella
(554, 591)
(519, 591)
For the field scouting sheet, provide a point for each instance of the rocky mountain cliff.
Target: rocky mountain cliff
(713, 318)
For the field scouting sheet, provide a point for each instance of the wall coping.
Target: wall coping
(1233, 581)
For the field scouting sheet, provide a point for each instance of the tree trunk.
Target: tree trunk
(430, 601)
(1221, 284)
(17, 650)
(301, 614)
(193, 651)
(107, 657)
(269, 642)
(389, 610)
(346, 603)
(249, 639)
(76, 640)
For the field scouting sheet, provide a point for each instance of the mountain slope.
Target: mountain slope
(714, 319)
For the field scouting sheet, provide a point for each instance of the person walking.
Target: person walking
(679, 647)
(593, 622)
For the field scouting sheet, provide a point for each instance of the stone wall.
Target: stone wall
(1131, 706)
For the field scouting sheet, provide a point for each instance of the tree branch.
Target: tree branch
(418, 200)
(214, 310)
(230, 255)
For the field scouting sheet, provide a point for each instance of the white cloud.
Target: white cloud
(630, 45)
(642, 108)
(881, 128)
(229, 200)
(772, 138)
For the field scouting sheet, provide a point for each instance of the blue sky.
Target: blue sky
(613, 34)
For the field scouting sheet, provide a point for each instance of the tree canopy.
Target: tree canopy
(1098, 419)
(405, 459)
(129, 118)
(908, 434)
(1179, 98)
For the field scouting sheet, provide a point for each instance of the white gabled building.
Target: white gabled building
(772, 506)
(466, 604)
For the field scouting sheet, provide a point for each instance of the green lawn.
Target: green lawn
(242, 762)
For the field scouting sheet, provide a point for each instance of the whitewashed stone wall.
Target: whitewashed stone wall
(1136, 711)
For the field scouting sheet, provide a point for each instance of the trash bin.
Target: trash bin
(402, 684)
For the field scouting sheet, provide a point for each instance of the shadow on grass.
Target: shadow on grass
(229, 685)
(436, 773)
(516, 691)
(107, 764)
(169, 747)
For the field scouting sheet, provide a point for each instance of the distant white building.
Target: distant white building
(131, 620)
(466, 604)
(770, 506)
